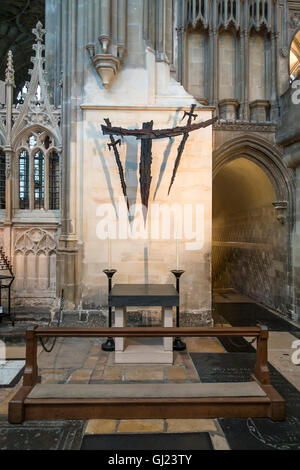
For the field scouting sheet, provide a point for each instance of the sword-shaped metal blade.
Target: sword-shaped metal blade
(145, 170)
(113, 145)
(182, 145)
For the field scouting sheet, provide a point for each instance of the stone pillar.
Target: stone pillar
(180, 37)
(73, 34)
(122, 28)
(296, 246)
(211, 66)
(92, 13)
(288, 136)
(274, 75)
(244, 62)
(245, 36)
(104, 37)
(160, 7)
(213, 60)
(53, 47)
(9, 89)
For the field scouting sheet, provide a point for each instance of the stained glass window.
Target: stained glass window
(39, 180)
(24, 180)
(2, 180)
(54, 183)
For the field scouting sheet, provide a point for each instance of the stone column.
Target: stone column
(160, 7)
(288, 136)
(9, 88)
(105, 31)
(246, 75)
(213, 59)
(296, 246)
(216, 68)
(274, 75)
(53, 47)
(73, 39)
(91, 16)
(180, 37)
(122, 27)
(244, 60)
(211, 66)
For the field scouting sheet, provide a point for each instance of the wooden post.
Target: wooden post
(31, 369)
(261, 370)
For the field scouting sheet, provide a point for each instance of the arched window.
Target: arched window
(24, 180)
(2, 179)
(39, 180)
(54, 183)
(295, 57)
(39, 172)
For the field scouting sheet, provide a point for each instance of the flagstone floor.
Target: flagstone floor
(82, 361)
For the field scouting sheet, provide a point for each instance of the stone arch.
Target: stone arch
(269, 159)
(267, 156)
(35, 241)
(34, 128)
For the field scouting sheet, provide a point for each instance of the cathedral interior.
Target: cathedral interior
(83, 84)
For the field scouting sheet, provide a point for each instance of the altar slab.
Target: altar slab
(144, 295)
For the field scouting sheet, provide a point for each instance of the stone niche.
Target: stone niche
(147, 254)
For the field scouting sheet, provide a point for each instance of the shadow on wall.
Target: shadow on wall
(100, 148)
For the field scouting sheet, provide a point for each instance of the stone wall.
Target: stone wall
(249, 255)
(148, 259)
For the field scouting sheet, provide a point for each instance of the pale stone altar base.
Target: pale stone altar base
(144, 350)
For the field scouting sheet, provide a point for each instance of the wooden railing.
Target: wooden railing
(24, 407)
(260, 332)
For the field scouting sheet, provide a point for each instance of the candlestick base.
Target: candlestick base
(109, 345)
(178, 345)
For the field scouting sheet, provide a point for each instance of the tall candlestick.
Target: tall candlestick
(109, 253)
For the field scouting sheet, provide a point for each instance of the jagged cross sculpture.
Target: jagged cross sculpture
(146, 135)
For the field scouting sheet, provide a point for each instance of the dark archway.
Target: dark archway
(251, 236)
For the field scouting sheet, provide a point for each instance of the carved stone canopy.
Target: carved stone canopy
(107, 67)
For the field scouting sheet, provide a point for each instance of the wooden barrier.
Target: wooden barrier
(68, 401)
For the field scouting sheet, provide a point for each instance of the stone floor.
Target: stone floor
(82, 361)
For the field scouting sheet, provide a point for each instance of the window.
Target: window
(39, 180)
(53, 181)
(2, 180)
(295, 57)
(39, 172)
(24, 180)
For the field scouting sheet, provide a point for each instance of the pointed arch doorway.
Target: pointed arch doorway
(252, 223)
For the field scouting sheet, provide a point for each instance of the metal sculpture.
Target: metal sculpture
(146, 135)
